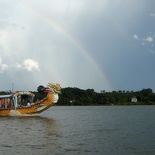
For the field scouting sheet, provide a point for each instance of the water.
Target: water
(102, 130)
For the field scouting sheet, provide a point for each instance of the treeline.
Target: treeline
(76, 96)
(80, 97)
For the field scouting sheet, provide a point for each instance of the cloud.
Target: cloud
(136, 37)
(18, 66)
(60, 40)
(30, 65)
(149, 39)
(3, 66)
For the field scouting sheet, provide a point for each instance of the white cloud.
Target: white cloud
(149, 39)
(146, 40)
(136, 37)
(30, 65)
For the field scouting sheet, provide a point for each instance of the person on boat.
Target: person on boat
(24, 102)
(3, 102)
(8, 103)
(28, 104)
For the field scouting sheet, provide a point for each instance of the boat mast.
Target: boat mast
(12, 87)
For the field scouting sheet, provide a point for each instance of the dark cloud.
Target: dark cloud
(80, 43)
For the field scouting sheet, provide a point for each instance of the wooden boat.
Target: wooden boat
(21, 103)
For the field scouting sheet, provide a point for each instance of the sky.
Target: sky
(89, 44)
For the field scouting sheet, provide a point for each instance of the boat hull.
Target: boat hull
(32, 109)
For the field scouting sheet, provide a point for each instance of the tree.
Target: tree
(40, 89)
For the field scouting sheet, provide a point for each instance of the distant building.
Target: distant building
(134, 99)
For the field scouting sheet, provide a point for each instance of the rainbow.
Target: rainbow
(73, 40)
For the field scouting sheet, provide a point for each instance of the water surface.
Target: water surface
(90, 130)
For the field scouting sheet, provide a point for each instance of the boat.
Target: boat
(22, 103)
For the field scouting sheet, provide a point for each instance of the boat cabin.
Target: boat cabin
(24, 98)
(18, 99)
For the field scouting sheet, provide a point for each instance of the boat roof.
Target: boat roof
(16, 94)
(5, 96)
(23, 93)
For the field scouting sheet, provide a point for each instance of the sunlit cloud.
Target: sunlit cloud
(31, 65)
(28, 64)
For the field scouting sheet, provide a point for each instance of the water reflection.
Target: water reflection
(25, 134)
(28, 119)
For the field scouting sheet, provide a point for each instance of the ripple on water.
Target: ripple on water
(81, 130)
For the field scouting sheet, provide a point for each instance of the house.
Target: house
(134, 99)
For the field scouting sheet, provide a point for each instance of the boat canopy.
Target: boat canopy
(6, 96)
(18, 99)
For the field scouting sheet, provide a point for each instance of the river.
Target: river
(81, 130)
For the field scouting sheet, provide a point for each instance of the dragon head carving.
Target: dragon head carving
(54, 87)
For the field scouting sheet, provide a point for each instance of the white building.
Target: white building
(134, 99)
